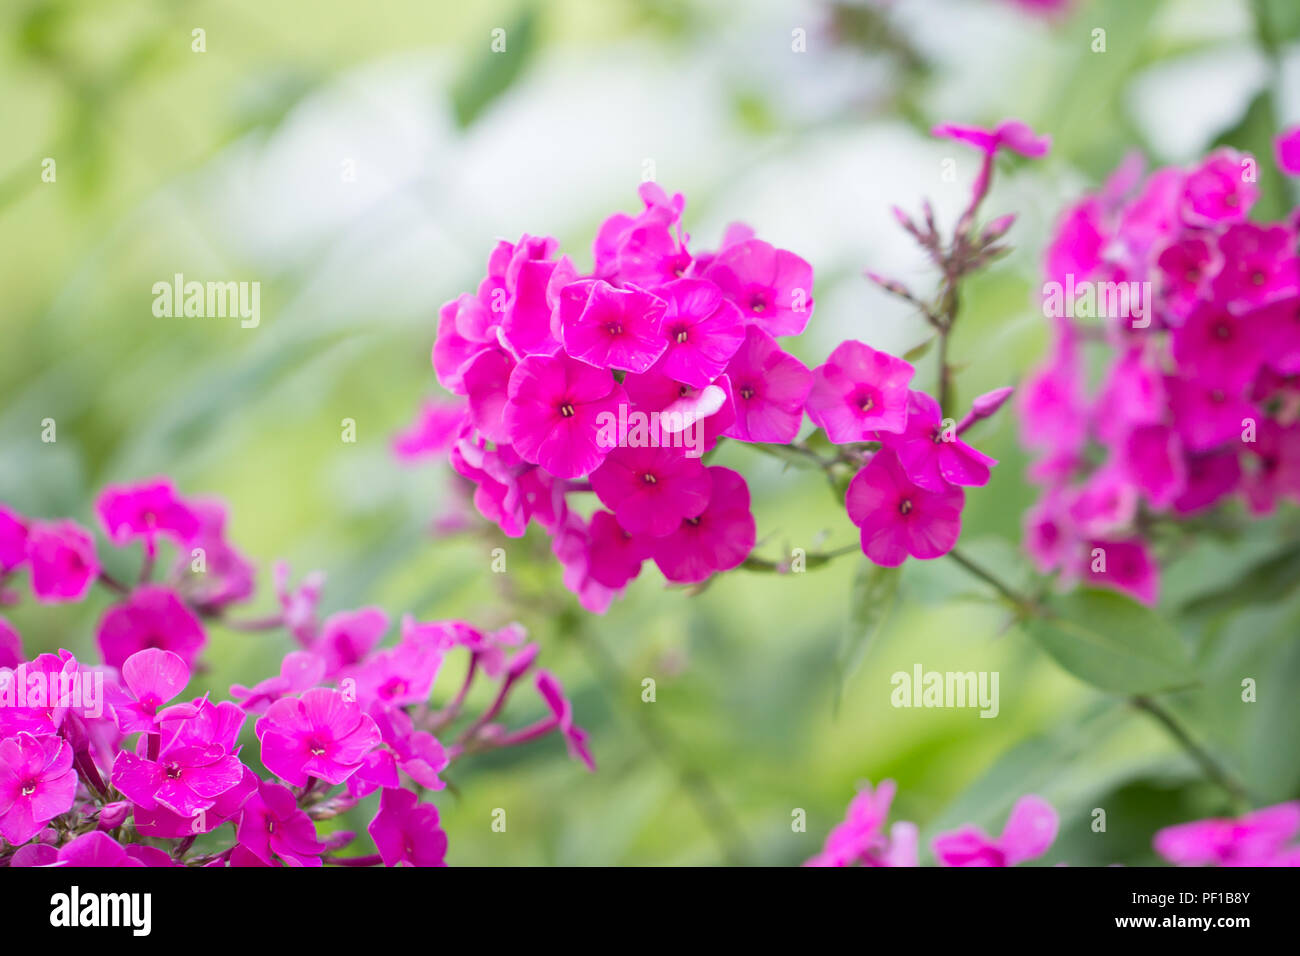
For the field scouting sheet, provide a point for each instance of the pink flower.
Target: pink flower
(1259, 266)
(703, 331)
(151, 677)
(651, 489)
(648, 249)
(614, 557)
(37, 783)
(434, 429)
(1259, 838)
(1184, 267)
(614, 328)
(859, 391)
(486, 377)
(1011, 134)
(554, 413)
(1288, 151)
(1030, 830)
(1125, 565)
(1052, 402)
(397, 676)
(298, 605)
(186, 779)
(1153, 460)
(898, 517)
(679, 403)
(152, 616)
(406, 831)
(1217, 191)
(13, 540)
(99, 850)
(275, 832)
(11, 645)
(62, 556)
(227, 576)
(930, 452)
(1216, 347)
(718, 539)
(574, 736)
(146, 510)
(772, 287)
(347, 637)
(769, 388)
(1210, 478)
(299, 671)
(320, 734)
(1206, 415)
(861, 837)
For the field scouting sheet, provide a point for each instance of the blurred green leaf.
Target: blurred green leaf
(1114, 643)
(492, 73)
(875, 589)
(1273, 579)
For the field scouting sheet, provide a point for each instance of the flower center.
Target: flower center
(747, 392)
(649, 479)
(315, 747)
(681, 334)
(614, 328)
(566, 410)
(174, 771)
(1257, 277)
(1222, 331)
(758, 302)
(29, 787)
(905, 506)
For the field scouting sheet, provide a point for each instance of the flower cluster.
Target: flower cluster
(620, 381)
(1197, 311)
(861, 839)
(111, 765)
(1260, 838)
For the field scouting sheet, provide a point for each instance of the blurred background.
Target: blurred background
(359, 161)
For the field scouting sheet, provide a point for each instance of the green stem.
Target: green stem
(1212, 769)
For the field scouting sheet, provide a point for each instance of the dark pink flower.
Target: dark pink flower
(575, 737)
(146, 510)
(1185, 266)
(651, 489)
(186, 778)
(11, 645)
(275, 832)
(1010, 134)
(13, 540)
(718, 539)
(1288, 151)
(227, 576)
(930, 452)
(435, 427)
(1217, 191)
(486, 377)
(348, 636)
(1153, 461)
(407, 832)
(1206, 415)
(63, 562)
(772, 287)
(614, 328)
(769, 388)
(898, 517)
(554, 413)
(614, 557)
(1260, 265)
(862, 839)
(320, 734)
(1124, 565)
(1260, 838)
(98, 849)
(37, 783)
(151, 616)
(1210, 478)
(1029, 832)
(703, 331)
(859, 390)
(150, 679)
(1216, 347)
(648, 249)
(299, 671)
(397, 676)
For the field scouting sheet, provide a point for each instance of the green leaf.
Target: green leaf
(1271, 580)
(1114, 643)
(917, 352)
(492, 73)
(790, 455)
(875, 589)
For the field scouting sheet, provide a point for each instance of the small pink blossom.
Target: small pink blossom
(554, 413)
(62, 558)
(1260, 838)
(718, 539)
(772, 287)
(859, 390)
(769, 388)
(651, 489)
(407, 832)
(151, 616)
(320, 734)
(37, 783)
(146, 510)
(1029, 832)
(898, 517)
